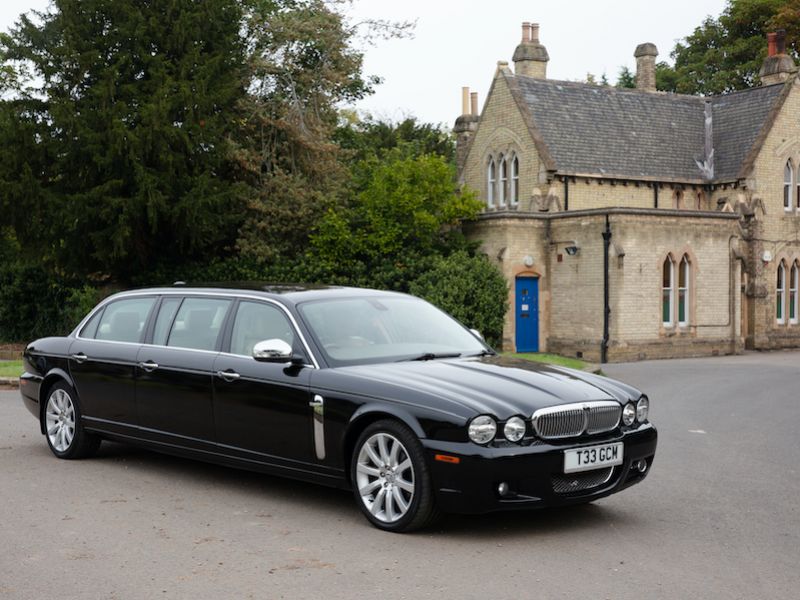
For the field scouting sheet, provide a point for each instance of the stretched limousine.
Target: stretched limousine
(374, 391)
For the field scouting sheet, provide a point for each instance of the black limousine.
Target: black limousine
(374, 391)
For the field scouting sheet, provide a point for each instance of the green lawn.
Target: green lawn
(10, 368)
(553, 359)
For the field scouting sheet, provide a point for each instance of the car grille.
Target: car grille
(572, 420)
(578, 482)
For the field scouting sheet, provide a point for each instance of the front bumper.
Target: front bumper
(470, 486)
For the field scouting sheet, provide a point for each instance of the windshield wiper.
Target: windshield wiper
(484, 353)
(431, 356)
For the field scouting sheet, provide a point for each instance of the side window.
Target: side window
(166, 314)
(123, 320)
(256, 322)
(90, 329)
(197, 323)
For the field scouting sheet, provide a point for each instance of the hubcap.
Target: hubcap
(60, 420)
(385, 477)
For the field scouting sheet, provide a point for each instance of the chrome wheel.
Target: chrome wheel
(60, 420)
(385, 477)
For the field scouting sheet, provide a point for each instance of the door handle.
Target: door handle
(80, 358)
(228, 375)
(148, 366)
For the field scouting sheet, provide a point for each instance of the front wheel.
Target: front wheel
(63, 428)
(390, 479)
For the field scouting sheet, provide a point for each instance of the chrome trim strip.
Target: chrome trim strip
(187, 293)
(583, 407)
(318, 404)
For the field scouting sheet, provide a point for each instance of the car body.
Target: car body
(375, 391)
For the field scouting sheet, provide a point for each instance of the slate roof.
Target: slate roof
(737, 120)
(588, 129)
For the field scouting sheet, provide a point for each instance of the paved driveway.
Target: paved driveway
(716, 518)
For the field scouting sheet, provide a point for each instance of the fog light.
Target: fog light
(503, 489)
(641, 466)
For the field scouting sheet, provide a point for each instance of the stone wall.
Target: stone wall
(571, 287)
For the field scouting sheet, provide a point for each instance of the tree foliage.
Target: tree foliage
(113, 148)
(626, 79)
(725, 53)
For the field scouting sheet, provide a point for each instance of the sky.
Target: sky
(458, 43)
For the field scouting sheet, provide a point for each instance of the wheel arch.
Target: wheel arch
(52, 378)
(366, 416)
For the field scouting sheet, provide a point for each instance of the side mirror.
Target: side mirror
(274, 351)
(477, 334)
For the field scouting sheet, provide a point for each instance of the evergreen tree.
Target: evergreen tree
(114, 142)
(626, 79)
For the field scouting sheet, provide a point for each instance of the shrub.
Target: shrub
(471, 289)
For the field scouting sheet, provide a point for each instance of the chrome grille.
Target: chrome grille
(572, 420)
(578, 482)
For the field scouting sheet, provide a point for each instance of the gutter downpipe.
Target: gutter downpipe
(606, 308)
(566, 193)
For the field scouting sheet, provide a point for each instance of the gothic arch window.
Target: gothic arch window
(514, 180)
(788, 176)
(668, 292)
(491, 182)
(502, 190)
(794, 281)
(684, 273)
(780, 294)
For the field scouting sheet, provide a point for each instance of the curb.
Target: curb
(9, 382)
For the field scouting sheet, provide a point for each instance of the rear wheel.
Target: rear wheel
(390, 479)
(63, 428)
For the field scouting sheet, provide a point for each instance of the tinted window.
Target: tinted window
(166, 314)
(123, 320)
(256, 322)
(90, 329)
(197, 323)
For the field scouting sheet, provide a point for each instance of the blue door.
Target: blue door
(527, 314)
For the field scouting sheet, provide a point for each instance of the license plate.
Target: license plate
(592, 457)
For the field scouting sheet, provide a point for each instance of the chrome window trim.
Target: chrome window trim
(188, 293)
(584, 407)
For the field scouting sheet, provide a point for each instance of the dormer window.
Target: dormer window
(788, 176)
(491, 182)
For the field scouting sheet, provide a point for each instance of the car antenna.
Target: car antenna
(178, 283)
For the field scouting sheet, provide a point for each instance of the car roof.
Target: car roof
(294, 293)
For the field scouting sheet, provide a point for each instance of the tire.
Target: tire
(390, 479)
(63, 429)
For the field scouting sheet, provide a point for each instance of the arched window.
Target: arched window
(502, 190)
(491, 182)
(788, 175)
(780, 294)
(794, 278)
(668, 292)
(515, 181)
(683, 291)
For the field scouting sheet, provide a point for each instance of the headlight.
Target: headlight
(482, 429)
(629, 414)
(514, 429)
(642, 409)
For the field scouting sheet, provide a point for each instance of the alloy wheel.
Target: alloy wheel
(385, 477)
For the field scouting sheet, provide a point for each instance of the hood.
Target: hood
(497, 385)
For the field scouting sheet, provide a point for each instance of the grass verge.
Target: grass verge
(553, 359)
(11, 368)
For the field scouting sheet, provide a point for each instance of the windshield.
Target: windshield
(354, 331)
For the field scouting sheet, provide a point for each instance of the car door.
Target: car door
(174, 390)
(261, 410)
(103, 361)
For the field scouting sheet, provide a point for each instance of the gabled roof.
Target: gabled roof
(594, 130)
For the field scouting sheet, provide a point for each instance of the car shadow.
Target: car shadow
(501, 526)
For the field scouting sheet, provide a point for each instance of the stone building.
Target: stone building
(637, 224)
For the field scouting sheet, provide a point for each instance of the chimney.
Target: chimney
(465, 128)
(530, 57)
(778, 65)
(646, 67)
